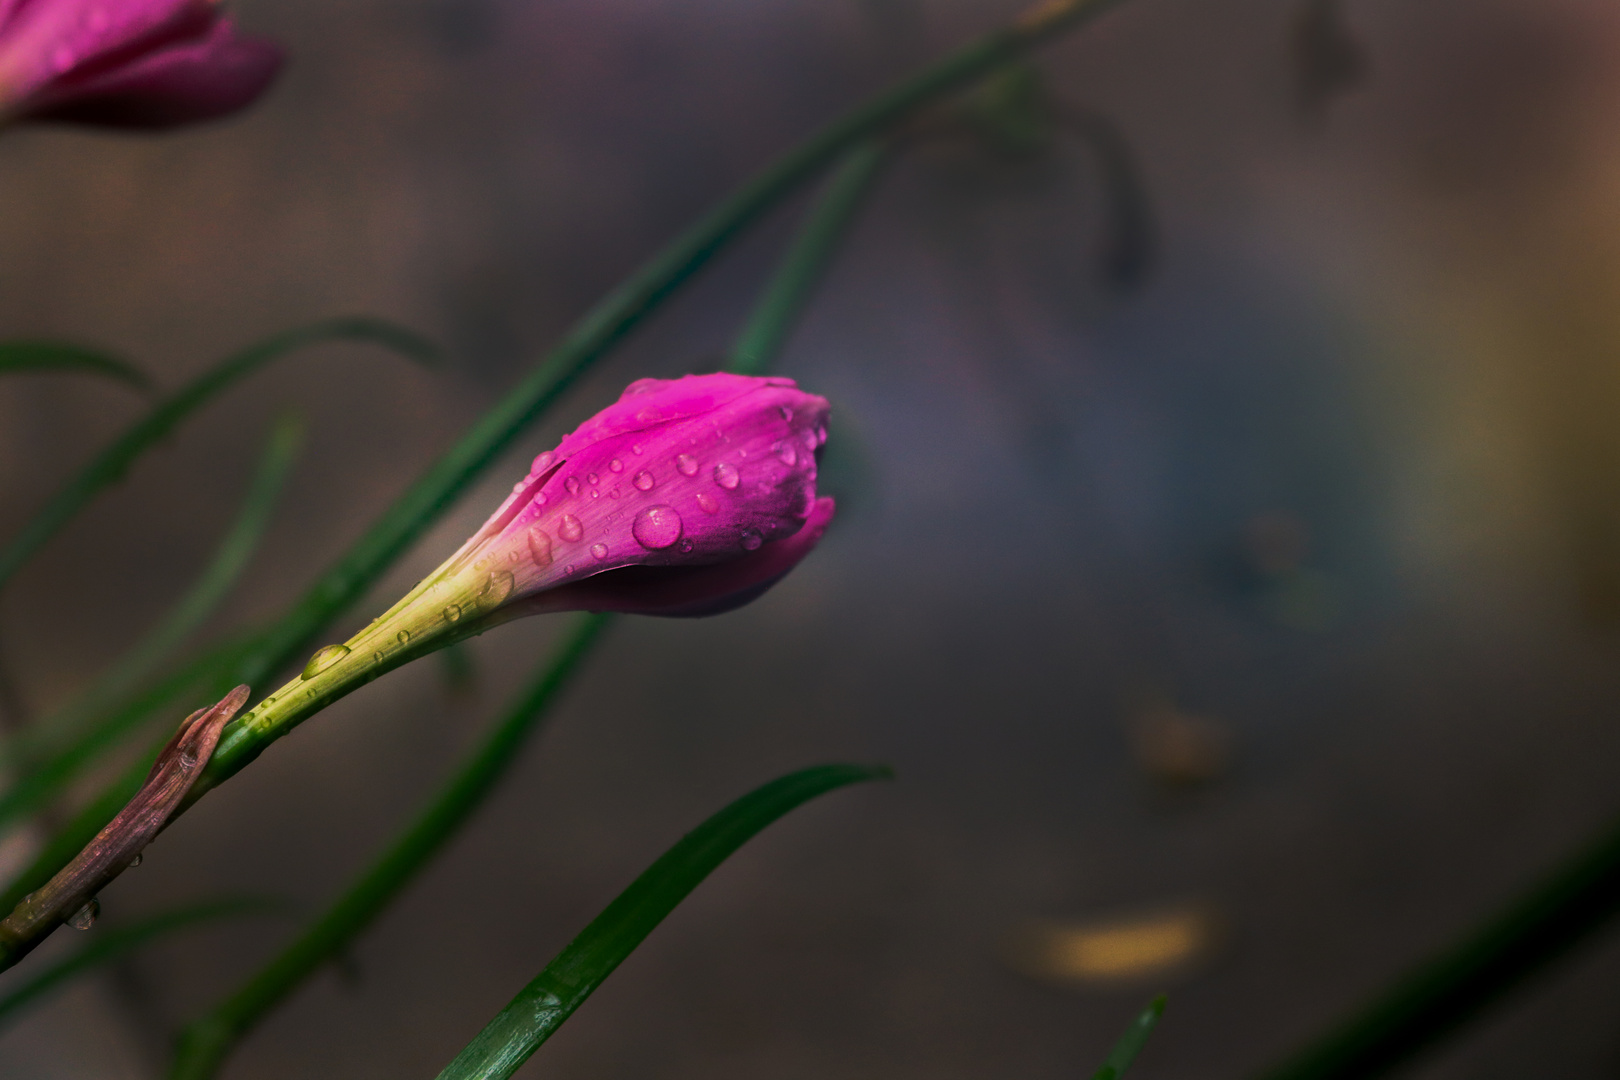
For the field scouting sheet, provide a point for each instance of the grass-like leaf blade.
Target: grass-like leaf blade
(109, 945)
(1130, 1044)
(58, 748)
(26, 357)
(205, 1043)
(579, 969)
(112, 463)
(807, 258)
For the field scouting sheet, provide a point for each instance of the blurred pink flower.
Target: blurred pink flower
(687, 496)
(127, 63)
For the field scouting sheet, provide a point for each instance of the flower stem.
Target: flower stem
(205, 1043)
(806, 260)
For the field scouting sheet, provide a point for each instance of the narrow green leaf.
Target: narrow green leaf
(579, 969)
(224, 569)
(1448, 990)
(603, 326)
(110, 465)
(1130, 1044)
(802, 268)
(111, 944)
(17, 357)
(205, 1043)
(60, 747)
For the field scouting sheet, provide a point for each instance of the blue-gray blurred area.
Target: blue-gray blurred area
(1282, 582)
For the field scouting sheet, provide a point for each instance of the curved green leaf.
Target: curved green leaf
(579, 969)
(18, 357)
(109, 945)
(110, 465)
(1130, 1044)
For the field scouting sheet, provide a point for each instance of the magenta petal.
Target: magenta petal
(692, 591)
(185, 83)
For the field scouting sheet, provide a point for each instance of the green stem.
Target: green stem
(806, 260)
(199, 602)
(1446, 992)
(205, 1043)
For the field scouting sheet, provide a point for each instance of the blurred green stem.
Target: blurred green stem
(1435, 998)
(801, 269)
(205, 1043)
(199, 602)
(598, 330)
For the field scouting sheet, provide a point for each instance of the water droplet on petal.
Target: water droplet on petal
(821, 436)
(136, 861)
(324, 659)
(188, 760)
(569, 569)
(643, 480)
(543, 462)
(517, 487)
(539, 546)
(496, 589)
(572, 484)
(592, 477)
(616, 465)
(751, 540)
(708, 502)
(599, 550)
(787, 413)
(725, 474)
(810, 440)
(687, 547)
(687, 464)
(657, 527)
(377, 656)
(85, 917)
(452, 613)
(634, 449)
(514, 555)
(595, 494)
(570, 529)
(403, 637)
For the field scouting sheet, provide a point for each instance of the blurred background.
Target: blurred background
(1247, 630)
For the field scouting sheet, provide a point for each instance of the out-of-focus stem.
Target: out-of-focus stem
(1448, 990)
(806, 260)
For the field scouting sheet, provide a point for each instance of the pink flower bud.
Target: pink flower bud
(127, 63)
(707, 471)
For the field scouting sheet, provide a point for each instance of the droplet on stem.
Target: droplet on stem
(324, 659)
(85, 917)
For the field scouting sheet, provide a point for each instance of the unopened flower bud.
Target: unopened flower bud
(127, 63)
